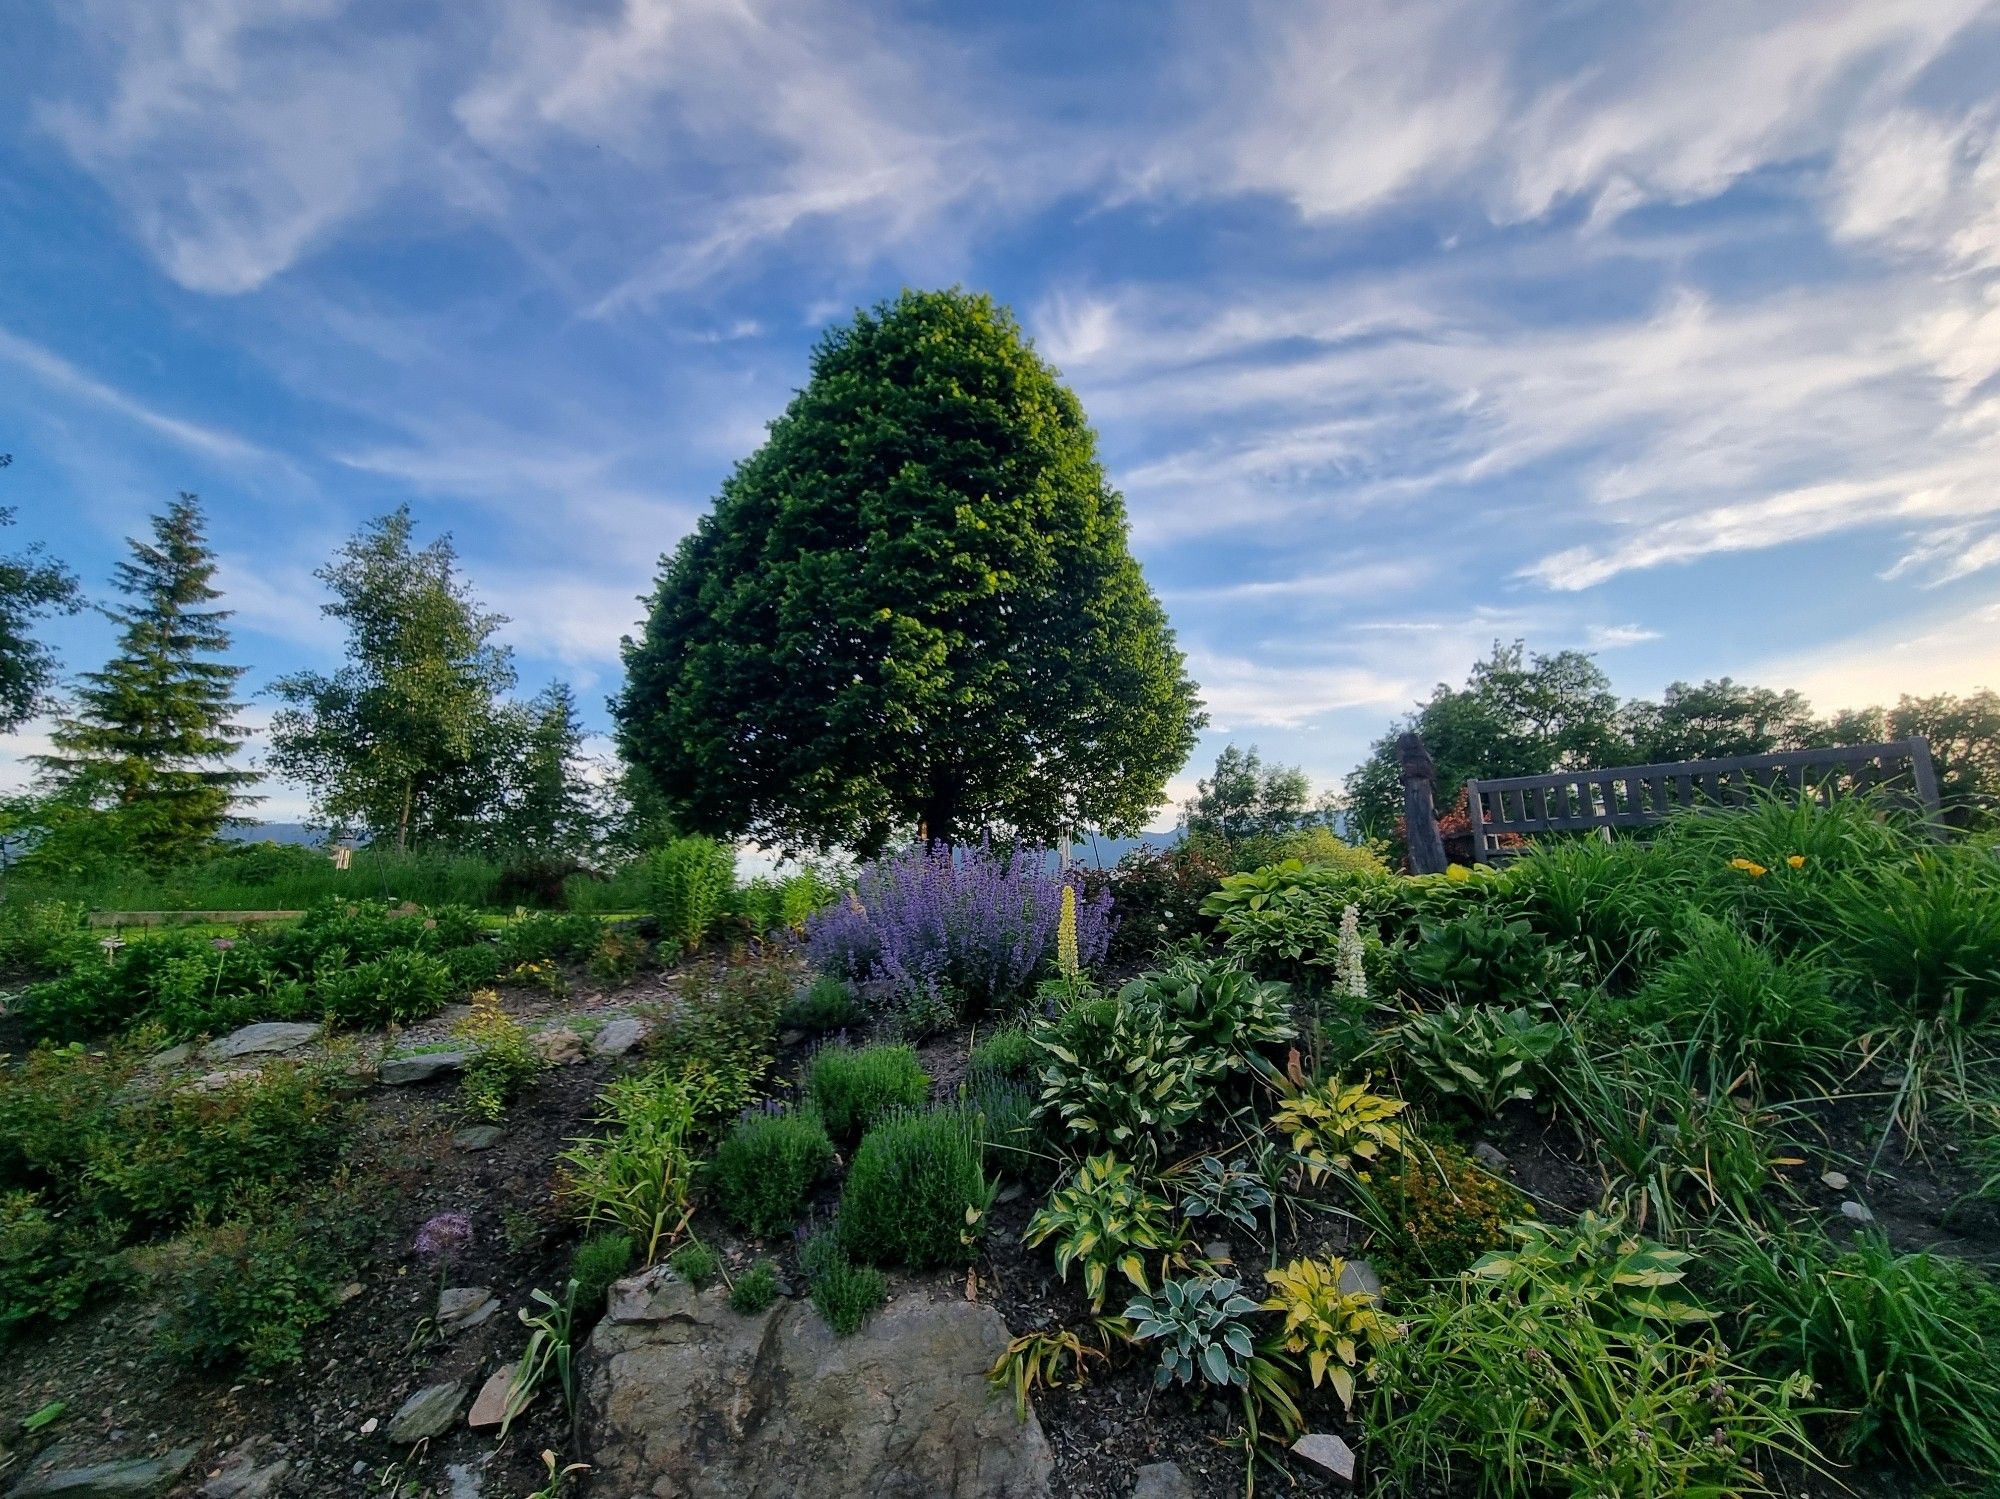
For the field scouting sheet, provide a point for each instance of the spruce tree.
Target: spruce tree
(153, 732)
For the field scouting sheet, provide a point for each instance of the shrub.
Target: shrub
(1519, 1383)
(617, 956)
(726, 1027)
(1007, 1124)
(42, 934)
(1744, 1012)
(547, 937)
(766, 1168)
(1104, 1219)
(970, 925)
(828, 1004)
(1200, 1328)
(401, 986)
(916, 1193)
(755, 1289)
(503, 1061)
(187, 1150)
(695, 1263)
(1438, 1211)
(1482, 1055)
(1009, 1052)
(50, 1266)
(1158, 894)
(853, 1087)
(846, 1294)
(598, 1263)
(691, 881)
(1904, 1342)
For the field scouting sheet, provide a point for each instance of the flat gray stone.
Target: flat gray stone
(266, 1037)
(1326, 1453)
(464, 1481)
(396, 1072)
(1358, 1277)
(1490, 1156)
(127, 1478)
(479, 1137)
(460, 1307)
(428, 1413)
(1162, 1481)
(173, 1056)
(252, 1470)
(1857, 1211)
(619, 1036)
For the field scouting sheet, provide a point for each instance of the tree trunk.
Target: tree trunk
(937, 820)
(403, 823)
(1420, 826)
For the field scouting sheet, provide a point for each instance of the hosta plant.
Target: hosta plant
(1217, 1006)
(1594, 1265)
(1045, 1360)
(1199, 1324)
(1215, 1188)
(1117, 1074)
(1338, 1330)
(1483, 1055)
(1332, 1125)
(1104, 1219)
(1484, 956)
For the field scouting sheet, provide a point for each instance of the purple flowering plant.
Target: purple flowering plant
(975, 925)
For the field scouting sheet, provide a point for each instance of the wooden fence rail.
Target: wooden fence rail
(1631, 796)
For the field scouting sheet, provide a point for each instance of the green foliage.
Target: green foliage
(616, 958)
(691, 881)
(755, 1289)
(1480, 1055)
(781, 905)
(1612, 905)
(1752, 1016)
(1104, 1218)
(599, 1262)
(549, 937)
(38, 935)
(1486, 957)
(1903, 1342)
(178, 1153)
(1921, 937)
(1001, 662)
(1333, 1125)
(153, 729)
(725, 1028)
(1619, 1277)
(1037, 1360)
(639, 1175)
(852, 1087)
(31, 588)
(765, 1169)
(1199, 1325)
(1218, 1007)
(1009, 1053)
(846, 1294)
(1158, 895)
(401, 986)
(50, 1266)
(828, 1004)
(503, 1061)
(695, 1263)
(1539, 1381)
(917, 1192)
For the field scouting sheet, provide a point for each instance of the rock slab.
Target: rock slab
(683, 1397)
(1327, 1453)
(131, 1478)
(266, 1037)
(619, 1036)
(460, 1307)
(253, 1470)
(428, 1413)
(489, 1406)
(396, 1072)
(1162, 1481)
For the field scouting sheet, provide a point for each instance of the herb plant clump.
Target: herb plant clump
(917, 1192)
(766, 1167)
(853, 1087)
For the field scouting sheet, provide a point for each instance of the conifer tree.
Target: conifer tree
(153, 731)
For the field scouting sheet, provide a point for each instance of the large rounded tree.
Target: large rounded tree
(912, 608)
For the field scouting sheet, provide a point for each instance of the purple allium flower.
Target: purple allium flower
(443, 1235)
(222, 944)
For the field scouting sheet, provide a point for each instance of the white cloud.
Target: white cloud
(1954, 651)
(1612, 637)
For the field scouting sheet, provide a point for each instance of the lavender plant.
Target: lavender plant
(971, 925)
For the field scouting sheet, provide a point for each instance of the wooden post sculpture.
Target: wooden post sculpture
(1420, 824)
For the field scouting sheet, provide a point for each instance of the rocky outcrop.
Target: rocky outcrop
(684, 1397)
(126, 1478)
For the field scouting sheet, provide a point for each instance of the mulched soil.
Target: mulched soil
(122, 1402)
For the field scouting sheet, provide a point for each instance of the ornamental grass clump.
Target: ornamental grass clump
(968, 926)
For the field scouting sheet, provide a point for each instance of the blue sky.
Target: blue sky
(1667, 331)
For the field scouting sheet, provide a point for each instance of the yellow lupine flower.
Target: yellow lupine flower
(1067, 962)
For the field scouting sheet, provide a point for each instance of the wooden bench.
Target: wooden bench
(1633, 796)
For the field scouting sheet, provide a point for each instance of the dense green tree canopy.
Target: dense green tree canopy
(153, 731)
(1717, 719)
(1245, 798)
(31, 586)
(413, 739)
(912, 607)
